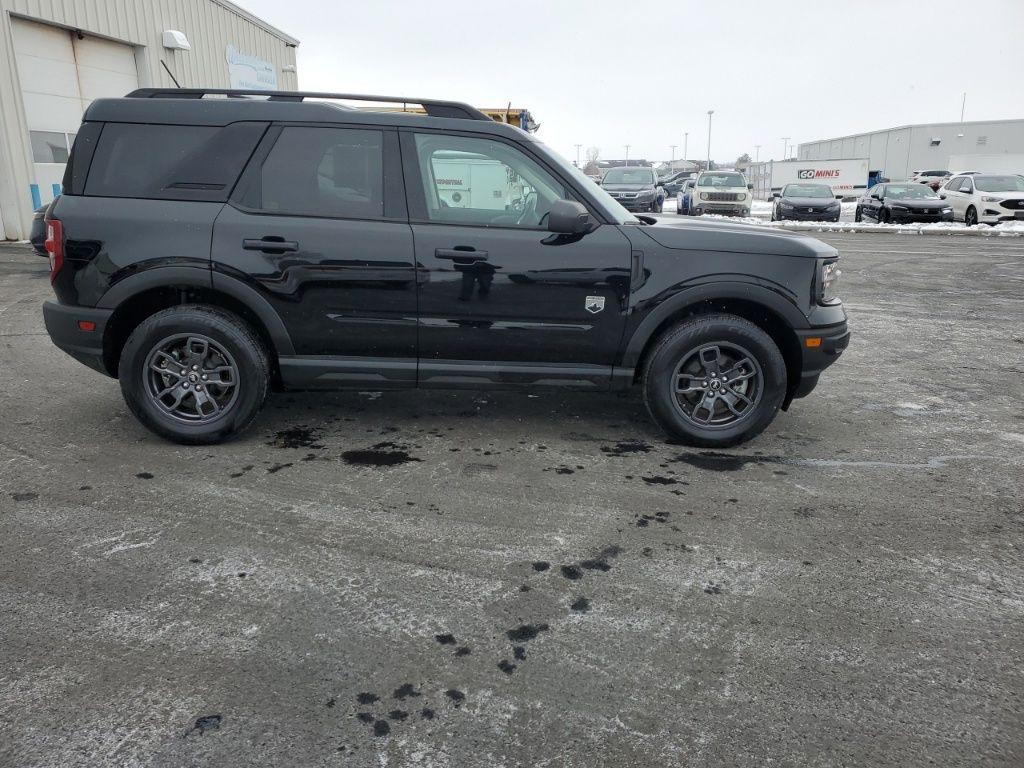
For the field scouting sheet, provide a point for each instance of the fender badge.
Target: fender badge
(594, 304)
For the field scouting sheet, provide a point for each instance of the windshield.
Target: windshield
(612, 206)
(629, 176)
(910, 192)
(807, 190)
(999, 183)
(721, 180)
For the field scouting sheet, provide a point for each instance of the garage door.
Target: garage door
(60, 75)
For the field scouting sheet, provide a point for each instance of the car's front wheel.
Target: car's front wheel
(971, 217)
(857, 215)
(194, 374)
(714, 381)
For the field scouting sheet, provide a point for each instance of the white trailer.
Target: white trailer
(1000, 164)
(471, 181)
(848, 178)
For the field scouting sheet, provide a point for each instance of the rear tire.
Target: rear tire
(165, 360)
(743, 352)
(857, 215)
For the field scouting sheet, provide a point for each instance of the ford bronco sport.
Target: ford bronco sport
(213, 245)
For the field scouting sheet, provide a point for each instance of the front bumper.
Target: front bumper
(798, 215)
(918, 218)
(1000, 216)
(834, 339)
(62, 323)
(637, 203)
(722, 209)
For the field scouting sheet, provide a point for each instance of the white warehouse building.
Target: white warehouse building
(56, 56)
(897, 152)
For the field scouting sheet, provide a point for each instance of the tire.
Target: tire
(216, 341)
(971, 216)
(736, 339)
(883, 216)
(695, 211)
(857, 215)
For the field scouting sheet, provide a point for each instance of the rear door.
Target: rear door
(951, 193)
(501, 299)
(318, 226)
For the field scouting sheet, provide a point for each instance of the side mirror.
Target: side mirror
(839, 197)
(750, 186)
(776, 194)
(567, 217)
(942, 197)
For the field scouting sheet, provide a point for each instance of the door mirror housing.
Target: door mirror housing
(568, 217)
(776, 194)
(750, 186)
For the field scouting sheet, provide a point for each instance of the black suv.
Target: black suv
(213, 245)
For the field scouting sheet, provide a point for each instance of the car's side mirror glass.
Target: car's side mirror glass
(568, 217)
(839, 197)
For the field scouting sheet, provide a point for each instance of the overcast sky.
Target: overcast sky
(606, 73)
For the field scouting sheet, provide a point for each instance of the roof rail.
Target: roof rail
(433, 107)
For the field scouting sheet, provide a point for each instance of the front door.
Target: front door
(501, 299)
(318, 226)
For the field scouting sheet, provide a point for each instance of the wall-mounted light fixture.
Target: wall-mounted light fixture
(176, 40)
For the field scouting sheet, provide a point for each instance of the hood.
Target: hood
(618, 187)
(807, 202)
(713, 235)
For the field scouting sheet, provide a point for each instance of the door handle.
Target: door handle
(270, 244)
(460, 254)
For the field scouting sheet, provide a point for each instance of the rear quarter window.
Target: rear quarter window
(171, 162)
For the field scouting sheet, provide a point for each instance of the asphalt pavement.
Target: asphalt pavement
(508, 579)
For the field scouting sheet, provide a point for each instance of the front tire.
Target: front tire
(194, 374)
(857, 215)
(714, 381)
(971, 217)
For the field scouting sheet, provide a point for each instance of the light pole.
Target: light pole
(785, 146)
(686, 140)
(757, 152)
(578, 155)
(673, 146)
(710, 113)
(627, 146)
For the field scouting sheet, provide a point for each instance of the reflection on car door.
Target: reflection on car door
(965, 197)
(951, 192)
(874, 203)
(501, 299)
(318, 227)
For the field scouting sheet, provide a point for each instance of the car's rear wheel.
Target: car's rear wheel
(857, 215)
(194, 374)
(971, 217)
(714, 381)
(883, 216)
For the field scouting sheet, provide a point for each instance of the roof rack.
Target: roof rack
(433, 107)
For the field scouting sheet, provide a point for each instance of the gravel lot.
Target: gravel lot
(501, 579)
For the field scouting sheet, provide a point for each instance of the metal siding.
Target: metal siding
(210, 25)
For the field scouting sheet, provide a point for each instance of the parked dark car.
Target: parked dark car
(634, 188)
(672, 184)
(806, 202)
(901, 203)
(37, 235)
(208, 250)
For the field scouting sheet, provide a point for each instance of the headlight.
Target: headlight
(829, 278)
(787, 206)
(947, 210)
(834, 204)
(703, 195)
(899, 208)
(991, 199)
(741, 196)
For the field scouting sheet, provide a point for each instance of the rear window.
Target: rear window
(170, 162)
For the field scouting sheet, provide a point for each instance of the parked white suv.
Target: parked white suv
(723, 192)
(985, 198)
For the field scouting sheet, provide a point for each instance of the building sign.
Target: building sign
(249, 73)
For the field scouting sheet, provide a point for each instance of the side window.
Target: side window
(953, 184)
(329, 172)
(170, 162)
(483, 182)
(967, 185)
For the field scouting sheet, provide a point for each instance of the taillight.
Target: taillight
(54, 245)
